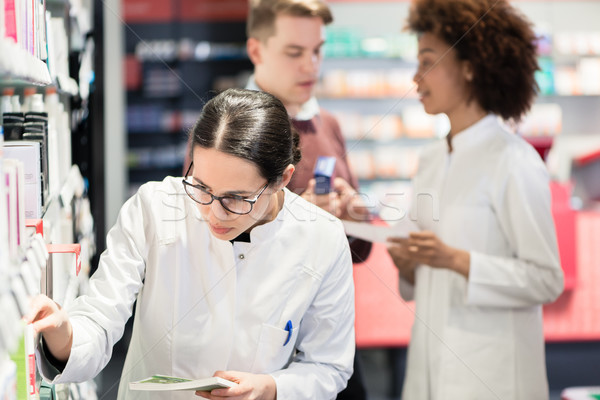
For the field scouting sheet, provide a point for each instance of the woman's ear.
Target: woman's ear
(468, 71)
(286, 176)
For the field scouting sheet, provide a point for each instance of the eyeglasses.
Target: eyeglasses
(232, 203)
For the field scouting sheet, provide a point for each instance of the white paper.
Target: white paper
(379, 233)
(161, 383)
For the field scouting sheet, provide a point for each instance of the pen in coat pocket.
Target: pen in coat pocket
(288, 328)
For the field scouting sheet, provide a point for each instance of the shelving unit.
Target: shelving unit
(29, 269)
(21, 67)
(367, 84)
(177, 59)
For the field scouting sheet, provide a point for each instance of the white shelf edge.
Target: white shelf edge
(18, 64)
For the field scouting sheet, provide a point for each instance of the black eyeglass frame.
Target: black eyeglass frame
(251, 201)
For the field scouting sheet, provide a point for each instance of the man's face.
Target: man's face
(287, 64)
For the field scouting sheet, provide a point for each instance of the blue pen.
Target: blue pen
(288, 328)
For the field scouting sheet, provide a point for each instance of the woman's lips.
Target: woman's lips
(220, 230)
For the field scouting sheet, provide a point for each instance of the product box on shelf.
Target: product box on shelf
(64, 264)
(24, 359)
(3, 212)
(8, 379)
(10, 333)
(14, 188)
(29, 154)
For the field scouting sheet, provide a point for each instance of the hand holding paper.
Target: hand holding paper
(251, 386)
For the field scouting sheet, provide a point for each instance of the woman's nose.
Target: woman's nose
(216, 208)
(417, 76)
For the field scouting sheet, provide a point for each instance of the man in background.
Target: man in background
(285, 44)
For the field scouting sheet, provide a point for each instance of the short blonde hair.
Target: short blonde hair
(262, 13)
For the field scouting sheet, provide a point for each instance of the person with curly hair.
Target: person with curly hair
(486, 258)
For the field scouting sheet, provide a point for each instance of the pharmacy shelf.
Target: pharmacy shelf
(27, 281)
(364, 106)
(19, 66)
(350, 63)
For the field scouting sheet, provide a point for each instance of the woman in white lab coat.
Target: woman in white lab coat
(486, 257)
(234, 275)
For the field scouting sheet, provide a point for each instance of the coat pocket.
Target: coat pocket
(273, 353)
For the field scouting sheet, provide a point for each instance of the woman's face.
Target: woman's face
(222, 174)
(442, 79)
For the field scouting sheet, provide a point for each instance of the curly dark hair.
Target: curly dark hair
(496, 39)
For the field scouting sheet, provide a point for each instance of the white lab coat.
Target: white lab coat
(482, 338)
(204, 304)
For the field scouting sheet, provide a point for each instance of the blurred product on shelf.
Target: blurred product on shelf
(152, 118)
(163, 157)
(577, 43)
(394, 82)
(589, 74)
(545, 76)
(187, 49)
(542, 120)
(420, 125)
(160, 82)
(348, 42)
(580, 393)
(395, 162)
(586, 173)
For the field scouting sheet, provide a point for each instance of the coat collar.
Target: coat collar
(474, 134)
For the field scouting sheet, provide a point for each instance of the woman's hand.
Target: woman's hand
(426, 248)
(52, 321)
(250, 387)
